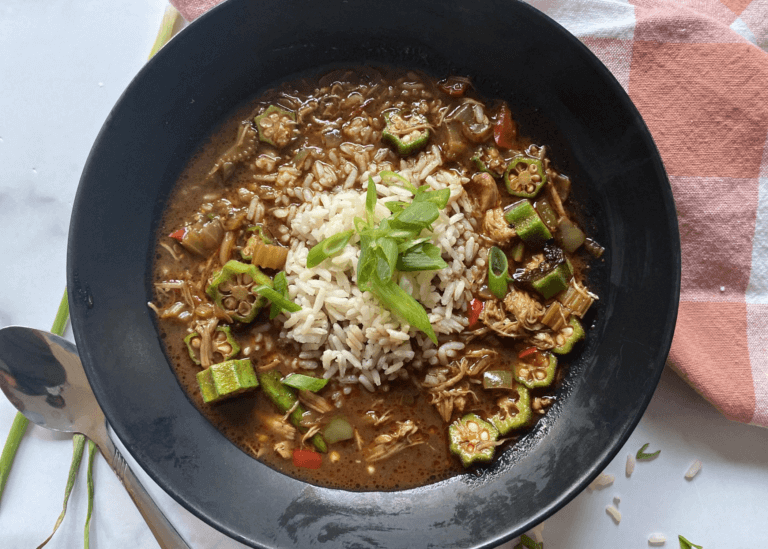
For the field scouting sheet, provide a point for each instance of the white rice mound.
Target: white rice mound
(345, 331)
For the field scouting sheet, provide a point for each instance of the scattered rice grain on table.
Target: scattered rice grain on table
(693, 470)
(614, 513)
(603, 480)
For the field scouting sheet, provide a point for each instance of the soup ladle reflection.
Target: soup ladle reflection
(42, 376)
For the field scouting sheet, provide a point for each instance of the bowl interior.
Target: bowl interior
(561, 95)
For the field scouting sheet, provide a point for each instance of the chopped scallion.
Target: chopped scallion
(277, 298)
(403, 305)
(305, 383)
(281, 286)
(370, 201)
(642, 455)
(392, 178)
(527, 542)
(498, 272)
(328, 248)
(416, 214)
(439, 198)
(421, 257)
(685, 544)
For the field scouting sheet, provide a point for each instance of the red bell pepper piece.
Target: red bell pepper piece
(505, 130)
(530, 352)
(475, 308)
(307, 459)
(179, 235)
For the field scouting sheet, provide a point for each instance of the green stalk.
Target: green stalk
(18, 428)
(91, 454)
(62, 315)
(20, 422)
(78, 441)
(166, 32)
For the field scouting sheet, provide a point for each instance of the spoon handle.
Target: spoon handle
(165, 534)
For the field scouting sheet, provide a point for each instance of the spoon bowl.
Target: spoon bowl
(42, 376)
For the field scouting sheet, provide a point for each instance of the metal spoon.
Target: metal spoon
(42, 376)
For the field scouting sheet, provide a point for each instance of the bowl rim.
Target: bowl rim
(83, 316)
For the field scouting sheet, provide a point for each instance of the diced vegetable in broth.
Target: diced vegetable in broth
(372, 280)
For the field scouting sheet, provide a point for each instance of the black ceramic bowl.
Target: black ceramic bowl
(562, 97)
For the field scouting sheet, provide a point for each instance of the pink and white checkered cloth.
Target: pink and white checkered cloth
(698, 72)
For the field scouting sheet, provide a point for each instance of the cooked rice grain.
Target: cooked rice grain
(365, 343)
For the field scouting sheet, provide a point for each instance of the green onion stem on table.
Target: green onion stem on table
(169, 26)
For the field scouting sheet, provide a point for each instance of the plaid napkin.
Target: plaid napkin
(698, 72)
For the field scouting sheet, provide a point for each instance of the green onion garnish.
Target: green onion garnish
(394, 244)
(370, 201)
(277, 298)
(416, 214)
(392, 178)
(327, 248)
(525, 541)
(400, 302)
(305, 383)
(685, 544)
(642, 455)
(421, 257)
(281, 286)
(498, 272)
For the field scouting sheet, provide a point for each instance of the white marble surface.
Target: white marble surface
(63, 64)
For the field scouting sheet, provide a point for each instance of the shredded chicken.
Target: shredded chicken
(542, 340)
(290, 410)
(271, 365)
(554, 199)
(284, 449)
(496, 228)
(310, 433)
(205, 330)
(315, 402)
(171, 251)
(279, 426)
(379, 419)
(495, 318)
(359, 440)
(463, 369)
(447, 401)
(404, 436)
(525, 308)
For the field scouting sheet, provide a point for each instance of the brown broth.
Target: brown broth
(245, 419)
